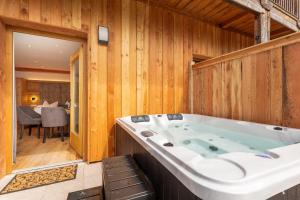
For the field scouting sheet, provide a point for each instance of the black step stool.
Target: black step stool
(123, 179)
(95, 193)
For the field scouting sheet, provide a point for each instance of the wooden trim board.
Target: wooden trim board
(283, 41)
(27, 69)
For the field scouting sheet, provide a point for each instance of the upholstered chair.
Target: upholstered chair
(54, 117)
(28, 117)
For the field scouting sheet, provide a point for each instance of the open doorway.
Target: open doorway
(48, 95)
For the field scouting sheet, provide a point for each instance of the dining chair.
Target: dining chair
(28, 117)
(54, 117)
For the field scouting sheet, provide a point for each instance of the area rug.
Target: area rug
(40, 178)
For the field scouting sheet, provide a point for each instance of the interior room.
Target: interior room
(151, 99)
(42, 80)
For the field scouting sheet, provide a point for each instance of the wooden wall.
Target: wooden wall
(3, 111)
(144, 69)
(255, 85)
(6, 100)
(48, 91)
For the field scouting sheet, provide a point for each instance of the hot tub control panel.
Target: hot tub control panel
(140, 118)
(175, 116)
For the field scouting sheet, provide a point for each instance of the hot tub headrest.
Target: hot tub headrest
(175, 116)
(140, 118)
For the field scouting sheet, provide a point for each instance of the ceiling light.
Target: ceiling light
(29, 45)
(56, 45)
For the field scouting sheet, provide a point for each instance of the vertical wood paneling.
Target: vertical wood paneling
(128, 57)
(45, 12)
(226, 88)
(55, 9)
(34, 10)
(196, 37)
(197, 97)
(93, 113)
(207, 90)
(168, 63)
(142, 58)
(102, 93)
(236, 89)
(76, 14)
(178, 63)
(248, 86)
(155, 55)
(258, 86)
(291, 86)
(67, 13)
(6, 100)
(11, 8)
(276, 86)
(217, 91)
(209, 40)
(262, 109)
(144, 68)
(187, 58)
(114, 73)
(125, 57)
(3, 116)
(86, 14)
(24, 12)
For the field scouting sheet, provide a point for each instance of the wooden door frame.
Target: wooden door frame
(74, 142)
(6, 111)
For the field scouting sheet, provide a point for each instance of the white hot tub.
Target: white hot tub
(221, 159)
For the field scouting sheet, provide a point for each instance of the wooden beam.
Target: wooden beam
(283, 19)
(251, 5)
(200, 58)
(56, 31)
(228, 22)
(27, 69)
(266, 6)
(262, 28)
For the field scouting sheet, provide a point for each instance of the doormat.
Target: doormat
(40, 178)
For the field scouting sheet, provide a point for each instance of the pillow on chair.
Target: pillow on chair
(38, 108)
(45, 104)
(54, 104)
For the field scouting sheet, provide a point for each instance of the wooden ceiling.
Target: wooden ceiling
(277, 30)
(221, 13)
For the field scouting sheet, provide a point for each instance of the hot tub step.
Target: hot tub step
(123, 179)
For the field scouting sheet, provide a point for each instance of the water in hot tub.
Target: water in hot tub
(211, 141)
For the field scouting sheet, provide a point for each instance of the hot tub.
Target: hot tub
(219, 159)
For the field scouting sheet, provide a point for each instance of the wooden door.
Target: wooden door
(77, 101)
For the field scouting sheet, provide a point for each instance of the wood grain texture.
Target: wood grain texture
(3, 85)
(291, 86)
(168, 63)
(54, 151)
(142, 58)
(48, 91)
(6, 96)
(144, 68)
(114, 71)
(260, 87)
